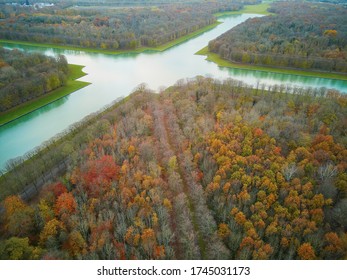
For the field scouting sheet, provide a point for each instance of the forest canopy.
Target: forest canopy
(207, 169)
(299, 35)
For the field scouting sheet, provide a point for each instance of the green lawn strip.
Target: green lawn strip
(249, 9)
(224, 63)
(73, 48)
(70, 87)
(185, 38)
(160, 48)
(76, 72)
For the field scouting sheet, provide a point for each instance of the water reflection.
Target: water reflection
(271, 78)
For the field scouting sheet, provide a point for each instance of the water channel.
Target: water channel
(114, 76)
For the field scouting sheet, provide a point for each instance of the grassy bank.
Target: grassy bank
(160, 48)
(71, 86)
(249, 9)
(224, 63)
(185, 38)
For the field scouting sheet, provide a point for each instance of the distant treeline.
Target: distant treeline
(300, 35)
(26, 76)
(107, 27)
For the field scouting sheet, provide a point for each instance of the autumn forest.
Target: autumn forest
(109, 27)
(205, 168)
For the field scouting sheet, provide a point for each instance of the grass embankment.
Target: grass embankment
(185, 38)
(160, 48)
(249, 9)
(213, 57)
(71, 86)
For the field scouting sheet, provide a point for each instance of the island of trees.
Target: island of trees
(109, 25)
(206, 169)
(299, 35)
(29, 81)
(25, 76)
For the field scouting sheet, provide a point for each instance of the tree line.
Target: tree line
(205, 169)
(299, 35)
(25, 76)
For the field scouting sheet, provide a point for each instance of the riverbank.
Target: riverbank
(213, 57)
(71, 86)
(160, 48)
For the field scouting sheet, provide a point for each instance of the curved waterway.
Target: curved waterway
(114, 76)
